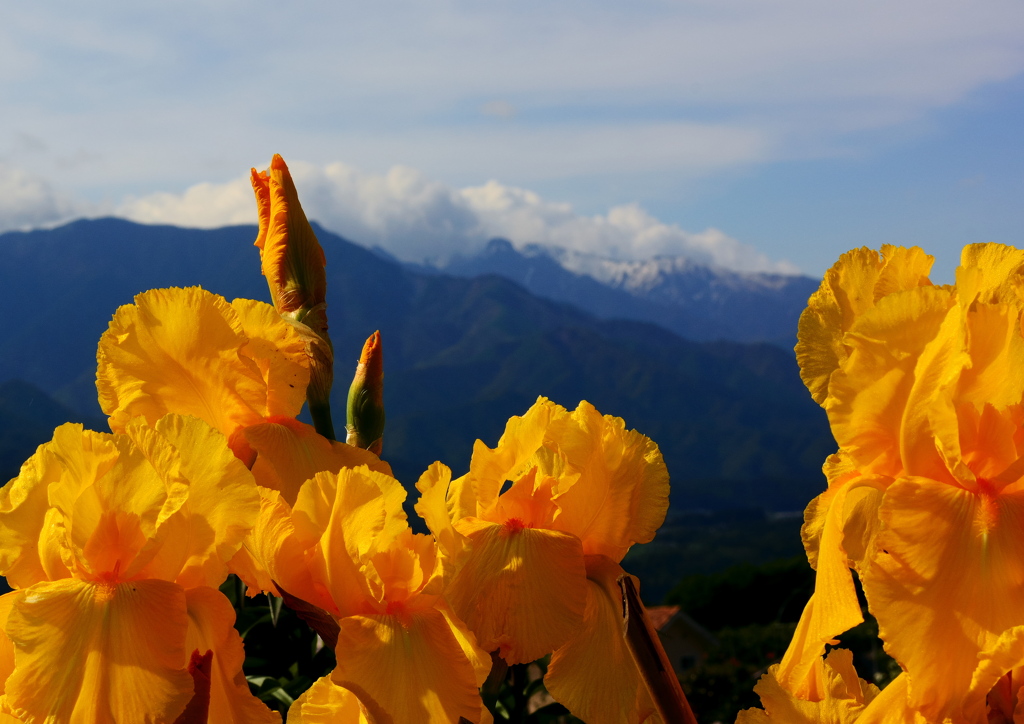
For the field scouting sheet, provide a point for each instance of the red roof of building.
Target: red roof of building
(661, 615)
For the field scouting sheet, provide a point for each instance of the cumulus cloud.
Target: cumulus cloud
(28, 201)
(419, 219)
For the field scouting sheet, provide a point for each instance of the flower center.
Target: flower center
(514, 525)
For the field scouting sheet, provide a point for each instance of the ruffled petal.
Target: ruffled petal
(850, 288)
(869, 394)
(620, 496)
(594, 674)
(993, 274)
(280, 354)
(476, 493)
(407, 668)
(288, 453)
(327, 703)
(349, 517)
(841, 700)
(272, 552)
(433, 508)
(23, 519)
(222, 501)
(833, 607)
(947, 582)
(521, 590)
(6, 645)
(179, 350)
(92, 652)
(211, 628)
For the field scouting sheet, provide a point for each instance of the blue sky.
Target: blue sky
(740, 132)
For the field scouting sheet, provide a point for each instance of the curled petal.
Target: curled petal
(476, 493)
(850, 288)
(833, 607)
(946, 583)
(433, 508)
(222, 500)
(842, 699)
(327, 703)
(621, 495)
(280, 354)
(343, 520)
(211, 628)
(872, 392)
(23, 519)
(178, 350)
(289, 452)
(593, 674)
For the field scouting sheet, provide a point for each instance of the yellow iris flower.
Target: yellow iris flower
(346, 547)
(535, 565)
(117, 544)
(923, 387)
(238, 366)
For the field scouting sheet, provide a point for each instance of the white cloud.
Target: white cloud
(417, 219)
(29, 201)
(596, 87)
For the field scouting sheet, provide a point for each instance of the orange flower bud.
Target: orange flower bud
(292, 259)
(293, 263)
(366, 398)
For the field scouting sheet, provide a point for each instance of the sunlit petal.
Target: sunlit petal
(833, 607)
(946, 584)
(621, 495)
(23, 519)
(327, 703)
(869, 394)
(842, 697)
(521, 590)
(222, 501)
(280, 354)
(593, 674)
(91, 652)
(850, 288)
(211, 628)
(288, 453)
(407, 668)
(178, 350)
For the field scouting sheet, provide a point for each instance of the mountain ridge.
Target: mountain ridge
(694, 300)
(461, 355)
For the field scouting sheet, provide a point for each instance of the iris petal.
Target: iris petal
(93, 652)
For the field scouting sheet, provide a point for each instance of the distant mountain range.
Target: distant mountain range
(695, 301)
(462, 353)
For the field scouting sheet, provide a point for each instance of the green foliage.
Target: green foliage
(745, 594)
(283, 657)
(516, 694)
(753, 610)
(696, 544)
(724, 683)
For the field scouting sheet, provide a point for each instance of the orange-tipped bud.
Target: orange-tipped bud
(292, 259)
(366, 398)
(293, 263)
